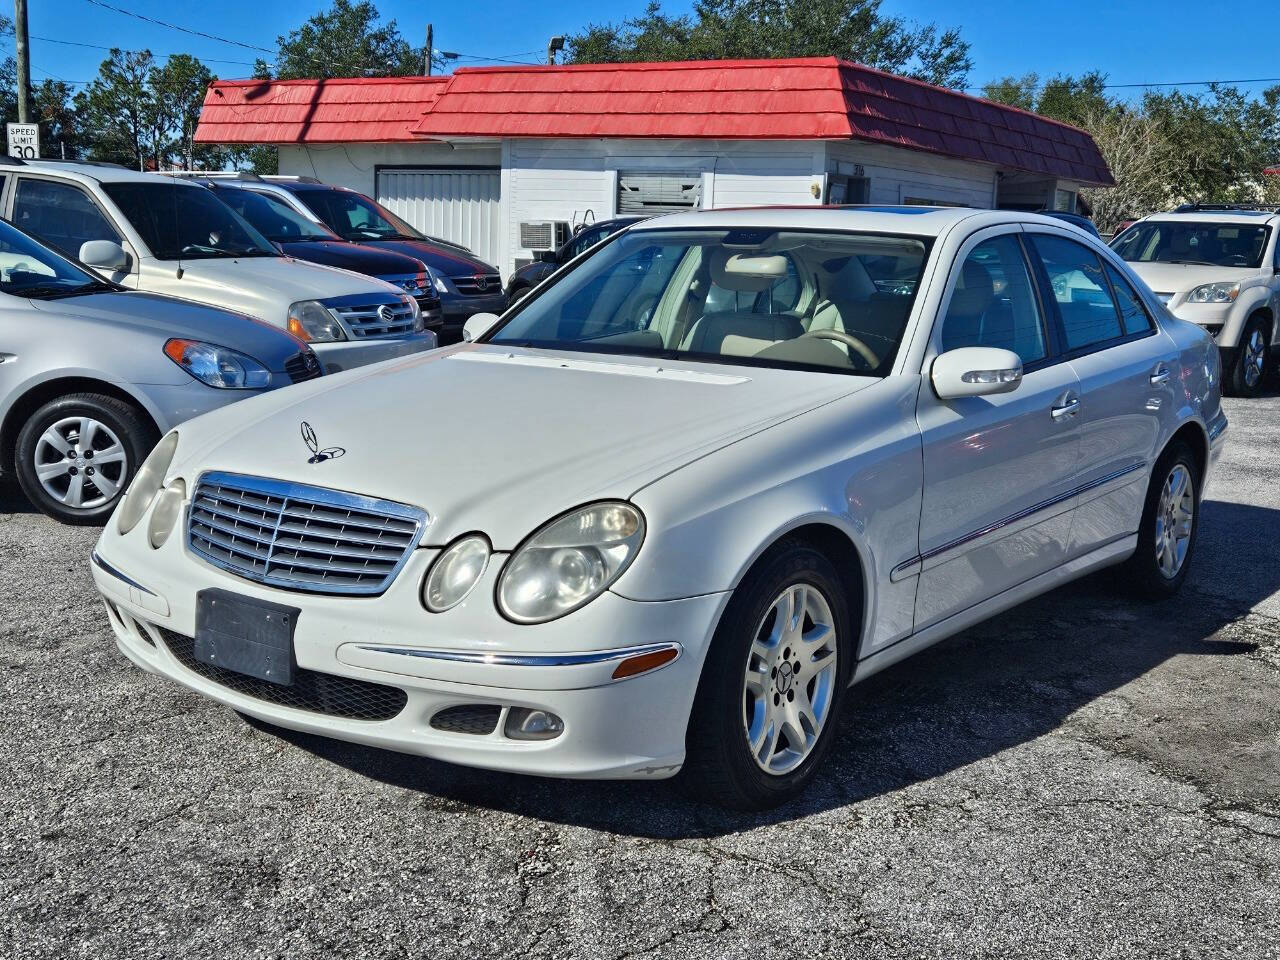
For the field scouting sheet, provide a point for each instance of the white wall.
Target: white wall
(896, 174)
(352, 164)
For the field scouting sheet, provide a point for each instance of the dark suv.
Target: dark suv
(465, 284)
(300, 237)
(532, 274)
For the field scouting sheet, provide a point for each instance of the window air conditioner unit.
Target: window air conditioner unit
(544, 234)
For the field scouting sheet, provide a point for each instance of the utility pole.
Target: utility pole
(24, 60)
(426, 69)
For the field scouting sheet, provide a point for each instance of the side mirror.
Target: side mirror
(105, 255)
(548, 256)
(975, 372)
(477, 325)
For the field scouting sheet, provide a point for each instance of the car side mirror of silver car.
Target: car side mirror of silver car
(105, 255)
(477, 325)
(975, 372)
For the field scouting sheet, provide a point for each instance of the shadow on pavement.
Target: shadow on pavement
(996, 685)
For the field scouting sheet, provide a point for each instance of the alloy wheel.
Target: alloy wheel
(1255, 358)
(1174, 517)
(80, 462)
(789, 681)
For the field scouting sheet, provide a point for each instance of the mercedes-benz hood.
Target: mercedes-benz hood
(501, 440)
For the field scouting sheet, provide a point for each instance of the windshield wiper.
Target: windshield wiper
(51, 291)
(1196, 263)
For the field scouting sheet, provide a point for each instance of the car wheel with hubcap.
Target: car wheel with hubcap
(76, 455)
(1170, 520)
(772, 684)
(1249, 372)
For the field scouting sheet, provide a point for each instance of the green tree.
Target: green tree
(1021, 92)
(119, 111)
(347, 40)
(178, 88)
(60, 134)
(734, 29)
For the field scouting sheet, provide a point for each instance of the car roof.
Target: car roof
(913, 220)
(1213, 216)
(98, 173)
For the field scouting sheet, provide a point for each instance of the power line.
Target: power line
(1133, 86)
(99, 46)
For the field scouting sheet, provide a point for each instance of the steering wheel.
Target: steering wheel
(850, 341)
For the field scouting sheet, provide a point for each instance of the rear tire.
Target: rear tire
(1248, 374)
(772, 686)
(1170, 522)
(76, 455)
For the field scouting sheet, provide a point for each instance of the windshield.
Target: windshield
(1207, 244)
(805, 300)
(356, 217)
(274, 219)
(180, 221)
(29, 269)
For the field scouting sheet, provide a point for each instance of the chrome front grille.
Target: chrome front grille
(299, 537)
(303, 366)
(480, 284)
(378, 319)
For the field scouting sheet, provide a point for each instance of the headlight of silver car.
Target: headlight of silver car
(218, 366)
(1223, 292)
(455, 572)
(570, 562)
(311, 321)
(146, 483)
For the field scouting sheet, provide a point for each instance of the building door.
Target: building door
(455, 204)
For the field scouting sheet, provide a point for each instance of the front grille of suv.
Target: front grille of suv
(303, 366)
(299, 537)
(484, 284)
(378, 319)
(311, 690)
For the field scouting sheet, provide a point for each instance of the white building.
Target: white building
(488, 156)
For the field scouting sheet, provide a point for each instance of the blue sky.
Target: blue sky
(1133, 42)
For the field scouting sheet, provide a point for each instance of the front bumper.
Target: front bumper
(459, 308)
(632, 728)
(347, 354)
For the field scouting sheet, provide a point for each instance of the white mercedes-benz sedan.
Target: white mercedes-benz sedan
(662, 514)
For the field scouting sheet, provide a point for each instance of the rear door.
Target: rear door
(1127, 373)
(998, 469)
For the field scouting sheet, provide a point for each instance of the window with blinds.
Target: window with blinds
(649, 194)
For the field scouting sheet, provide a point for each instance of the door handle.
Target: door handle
(1068, 408)
(1161, 375)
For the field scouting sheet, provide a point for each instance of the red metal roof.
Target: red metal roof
(358, 109)
(818, 98)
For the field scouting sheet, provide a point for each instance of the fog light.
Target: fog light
(525, 724)
(165, 515)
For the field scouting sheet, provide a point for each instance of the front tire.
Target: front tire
(1249, 372)
(1170, 522)
(76, 455)
(773, 683)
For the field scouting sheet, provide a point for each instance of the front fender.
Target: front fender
(1251, 300)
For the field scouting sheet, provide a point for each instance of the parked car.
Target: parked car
(1219, 267)
(1075, 219)
(153, 233)
(666, 539)
(466, 284)
(303, 238)
(532, 274)
(91, 374)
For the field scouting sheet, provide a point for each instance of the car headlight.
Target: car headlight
(570, 562)
(454, 573)
(146, 483)
(439, 282)
(311, 321)
(165, 516)
(1223, 292)
(218, 366)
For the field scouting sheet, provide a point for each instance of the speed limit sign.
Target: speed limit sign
(24, 140)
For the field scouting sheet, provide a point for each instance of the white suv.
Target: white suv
(1219, 267)
(160, 235)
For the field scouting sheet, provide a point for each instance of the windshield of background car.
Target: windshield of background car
(1206, 244)
(28, 269)
(356, 217)
(184, 222)
(274, 219)
(834, 302)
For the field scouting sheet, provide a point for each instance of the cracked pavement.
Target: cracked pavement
(1081, 776)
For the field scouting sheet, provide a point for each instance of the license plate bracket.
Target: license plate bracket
(246, 635)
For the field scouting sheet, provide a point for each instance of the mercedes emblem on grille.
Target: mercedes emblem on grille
(386, 313)
(482, 282)
(318, 455)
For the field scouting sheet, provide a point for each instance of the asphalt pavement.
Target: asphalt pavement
(1081, 776)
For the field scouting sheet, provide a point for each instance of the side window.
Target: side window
(1088, 313)
(994, 304)
(60, 214)
(1132, 313)
(1277, 257)
(585, 239)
